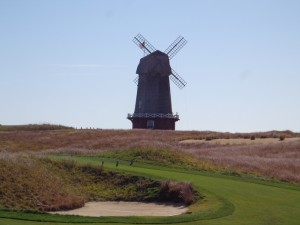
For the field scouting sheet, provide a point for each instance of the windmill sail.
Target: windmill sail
(175, 47)
(177, 79)
(142, 43)
(171, 51)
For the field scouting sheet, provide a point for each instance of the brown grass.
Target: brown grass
(240, 141)
(277, 160)
(280, 160)
(178, 192)
(27, 185)
(30, 183)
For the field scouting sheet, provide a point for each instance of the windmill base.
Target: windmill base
(154, 123)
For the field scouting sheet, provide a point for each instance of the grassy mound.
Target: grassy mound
(26, 184)
(233, 161)
(278, 160)
(161, 156)
(41, 184)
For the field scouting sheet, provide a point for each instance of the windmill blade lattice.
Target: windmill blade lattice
(142, 43)
(175, 47)
(171, 51)
(177, 79)
(136, 80)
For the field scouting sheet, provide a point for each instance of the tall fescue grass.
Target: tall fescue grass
(260, 159)
(29, 183)
(33, 127)
(26, 184)
(103, 140)
(279, 161)
(161, 156)
(178, 192)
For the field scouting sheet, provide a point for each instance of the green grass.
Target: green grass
(165, 157)
(244, 201)
(160, 156)
(211, 207)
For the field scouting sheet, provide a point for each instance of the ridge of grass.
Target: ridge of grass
(212, 207)
(281, 203)
(160, 156)
(33, 127)
(124, 166)
(278, 160)
(165, 157)
(42, 184)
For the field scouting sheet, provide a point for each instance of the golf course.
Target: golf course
(227, 195)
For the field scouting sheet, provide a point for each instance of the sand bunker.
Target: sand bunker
(126, 209)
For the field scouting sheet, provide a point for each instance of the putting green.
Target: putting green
(254, 202)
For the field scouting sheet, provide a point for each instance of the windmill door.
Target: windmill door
(150, 124)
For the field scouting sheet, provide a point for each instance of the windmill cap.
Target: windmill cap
(155, 63)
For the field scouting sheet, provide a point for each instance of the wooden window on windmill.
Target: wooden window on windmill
(150, 124)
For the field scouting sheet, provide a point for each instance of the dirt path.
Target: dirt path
(126, 209)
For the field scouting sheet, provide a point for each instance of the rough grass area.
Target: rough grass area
(41, 184)
(161, 156)
(104, 140)
(228, 201)
(240, 141)
(278, 160)
(27, 184)
(33, 127)
(177, 159)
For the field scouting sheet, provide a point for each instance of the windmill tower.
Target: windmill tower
(153, 106)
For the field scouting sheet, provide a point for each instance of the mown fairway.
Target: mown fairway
(259, 203)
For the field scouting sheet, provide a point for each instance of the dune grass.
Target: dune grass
(243, 199)
(33, 127)
(278, 160)
(243, 202)
(239, 141)
(35, 184)
(160, 156)
(211, 207)
(254, 201)
(28, 185)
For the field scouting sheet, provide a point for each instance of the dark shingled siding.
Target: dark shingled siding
(153, 93)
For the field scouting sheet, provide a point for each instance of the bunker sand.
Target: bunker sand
(125, 209)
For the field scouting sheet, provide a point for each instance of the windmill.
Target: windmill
(153, 107)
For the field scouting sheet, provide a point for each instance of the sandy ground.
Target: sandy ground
(239, 141)
(126, 209)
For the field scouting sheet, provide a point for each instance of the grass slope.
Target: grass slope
(254, 203)
(40, 184)
(161, 156)
(279, 160)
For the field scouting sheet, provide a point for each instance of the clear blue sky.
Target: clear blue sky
(73, 62)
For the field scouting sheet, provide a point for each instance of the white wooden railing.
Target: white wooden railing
(153, 115)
